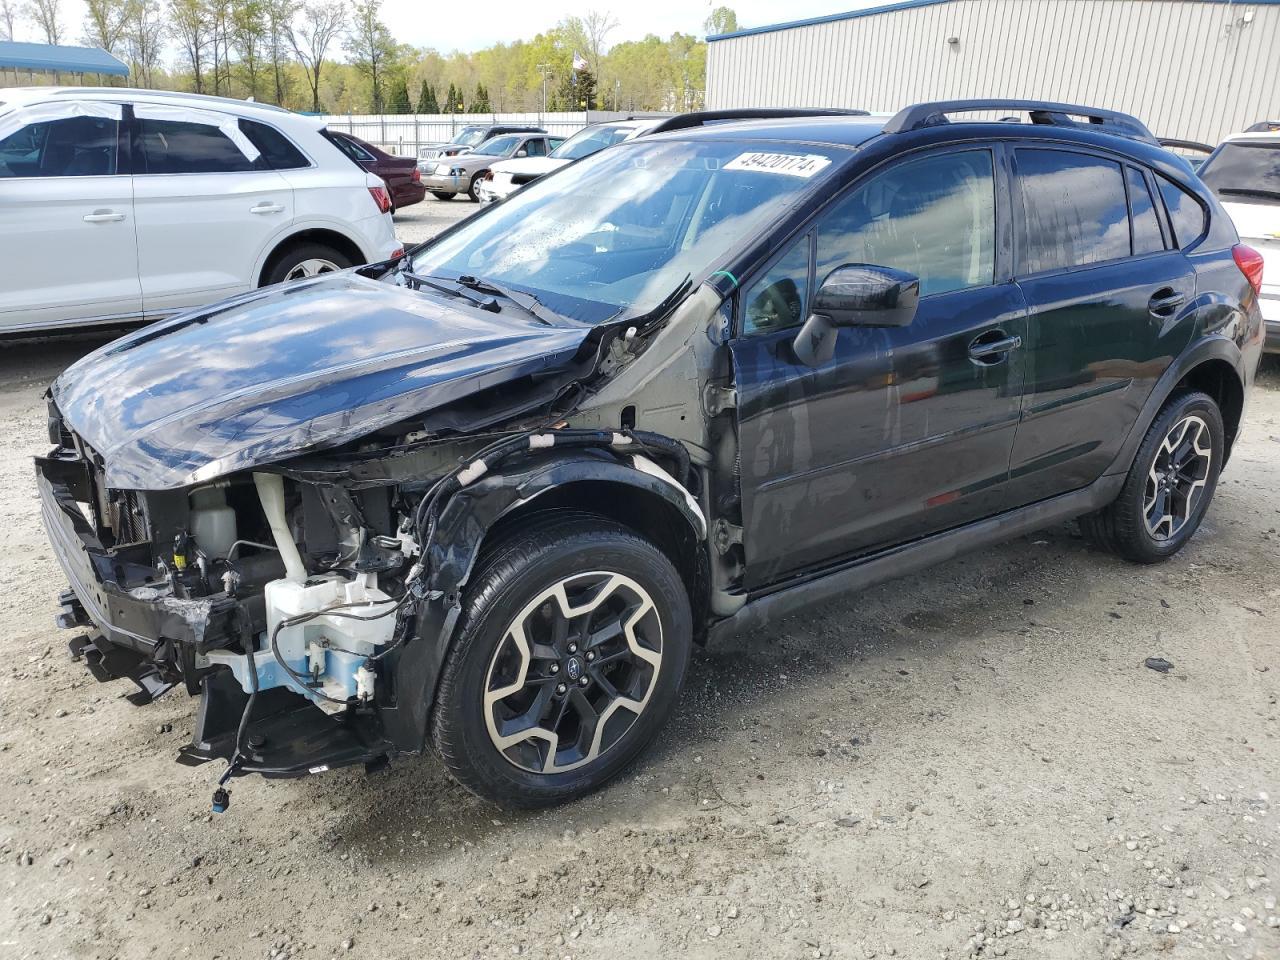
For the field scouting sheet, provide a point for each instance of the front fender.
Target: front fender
(460, 533)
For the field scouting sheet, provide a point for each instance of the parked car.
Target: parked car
(127, 205)
(1244, 171)
(400, 174)
(464, 172)
(486, 501)
(507, 176)
(466, 140)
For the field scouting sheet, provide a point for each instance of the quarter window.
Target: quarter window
(172, 146)
(71, 147)
(278, 152)
(1146, 227)
(1185, 213)
(776, 300)
(1074, 210)
(933, 217)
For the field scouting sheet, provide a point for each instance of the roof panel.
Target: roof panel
(43, 56)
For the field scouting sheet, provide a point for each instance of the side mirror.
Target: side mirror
(856, 295)
(522, 153)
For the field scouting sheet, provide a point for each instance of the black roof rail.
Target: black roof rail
(1041, 111)
(698, 118)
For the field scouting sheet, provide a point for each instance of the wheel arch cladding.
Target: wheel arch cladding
(1219, 380)
(330, 238)
(1215, 365)
(487, 510)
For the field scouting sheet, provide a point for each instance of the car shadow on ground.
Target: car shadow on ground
(748, 681)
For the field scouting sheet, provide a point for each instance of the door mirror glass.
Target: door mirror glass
(863, 295)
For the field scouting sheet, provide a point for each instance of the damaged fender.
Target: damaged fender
(642, 486)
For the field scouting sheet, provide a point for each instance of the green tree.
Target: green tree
(398, 101)
(371, 49)
(144, 41)
(194, 36)
(47, 15)
(453, 100)
(577, 91)
(319, 25)
(427, 99)
(720, 20)
(248, 26)
(480, 102)
(279, 14)
(105, 22)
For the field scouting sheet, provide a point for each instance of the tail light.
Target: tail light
(416, 176)
(381, 198)
(1250, 263)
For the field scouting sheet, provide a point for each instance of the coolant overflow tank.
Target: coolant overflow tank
(213, 522)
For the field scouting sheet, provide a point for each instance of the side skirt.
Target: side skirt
(766, 608)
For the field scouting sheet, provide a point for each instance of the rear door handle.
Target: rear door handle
(103, 216)
(267, 208)
(993, 347)
(1164, 301)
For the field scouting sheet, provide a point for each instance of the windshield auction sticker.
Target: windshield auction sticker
(791, 164)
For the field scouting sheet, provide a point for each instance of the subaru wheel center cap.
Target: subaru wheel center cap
(573, 668)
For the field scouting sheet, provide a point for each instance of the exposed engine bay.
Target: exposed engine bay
(308, 599)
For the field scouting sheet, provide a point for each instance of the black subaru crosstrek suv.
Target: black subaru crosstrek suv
(486, 498)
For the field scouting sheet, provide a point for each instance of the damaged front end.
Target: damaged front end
(308, 593)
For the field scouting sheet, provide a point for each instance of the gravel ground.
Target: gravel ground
(424, 220)
(972, 761)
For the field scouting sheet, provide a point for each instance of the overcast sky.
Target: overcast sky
(447, 27)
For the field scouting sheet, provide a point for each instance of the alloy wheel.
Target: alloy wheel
(573, 672)
(312, 268)
(1177, 477)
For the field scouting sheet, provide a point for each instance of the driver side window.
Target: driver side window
(933, 217)
(776, 300)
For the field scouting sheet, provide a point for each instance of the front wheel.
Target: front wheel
(570, 657)
(473, 191)
(441, 195)
(1169, 486)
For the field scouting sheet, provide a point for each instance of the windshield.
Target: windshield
(1244, 169)
(469, 136)
(497, 147)
(591, 140)
(618, 232)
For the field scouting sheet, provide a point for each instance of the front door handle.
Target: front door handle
(103, 216)
(993, 347)
(267, 207)
(1164, 301)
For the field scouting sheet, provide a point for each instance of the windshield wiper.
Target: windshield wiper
(525, 301)
(1250, 192)
(418, 281)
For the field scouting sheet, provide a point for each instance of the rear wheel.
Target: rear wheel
(306, 260)
(1169, 486)
(571, 654)
(441, 195)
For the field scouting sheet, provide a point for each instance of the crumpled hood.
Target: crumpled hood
(273, 373)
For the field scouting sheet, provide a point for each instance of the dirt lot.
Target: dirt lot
(970, 761)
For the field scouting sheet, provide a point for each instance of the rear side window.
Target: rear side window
(171, 146)
(351, 150)
(70, 147)
(1245, 171)
(1146, 226)
(1185, 212)
(1074, 210)
(278, 152)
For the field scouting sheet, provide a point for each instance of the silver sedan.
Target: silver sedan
(463, 173)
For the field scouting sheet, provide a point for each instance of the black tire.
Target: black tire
(474, 186)
(1122, 528)
(296, 256)
(506, 582)
(440, 195)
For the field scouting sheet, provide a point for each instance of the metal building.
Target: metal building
(1191, 69)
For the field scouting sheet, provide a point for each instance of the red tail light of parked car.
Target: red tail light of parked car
(1250, 263)
(381, 198)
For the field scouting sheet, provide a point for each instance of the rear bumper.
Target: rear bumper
(407, 194)
(1269, 303)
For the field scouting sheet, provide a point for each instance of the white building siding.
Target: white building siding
(1188, 68)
